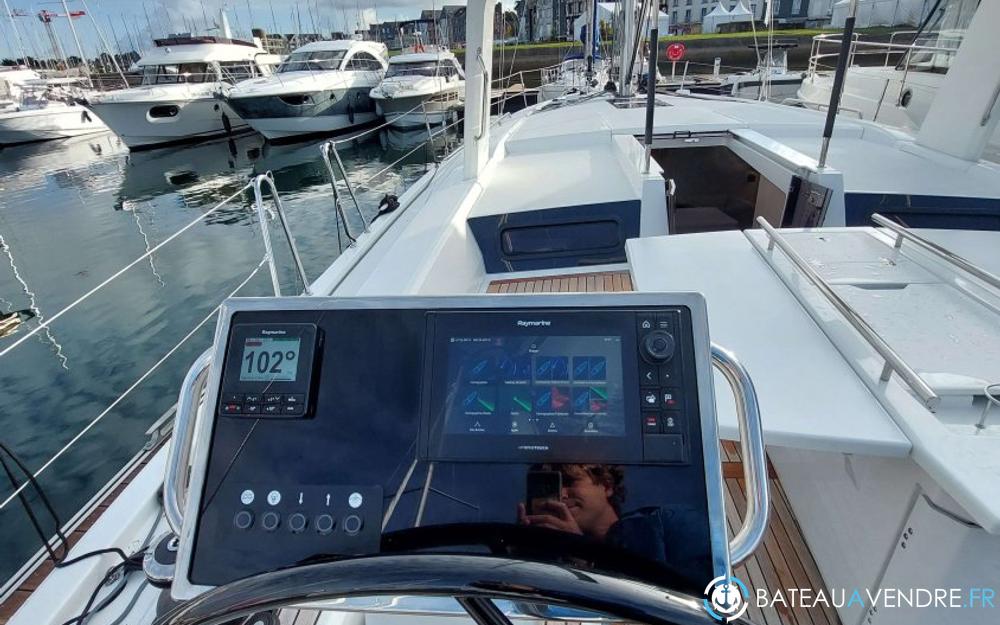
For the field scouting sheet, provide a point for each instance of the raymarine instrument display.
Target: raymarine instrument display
(535, 385)
(574, 429)
(269, 359)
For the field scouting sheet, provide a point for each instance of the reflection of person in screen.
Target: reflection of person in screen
(589, 502)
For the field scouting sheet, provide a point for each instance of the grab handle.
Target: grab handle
(751, 533)
(176, 479)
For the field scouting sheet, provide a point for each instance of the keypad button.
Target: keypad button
(232, 408)
(667, 374)
(293, 409)
(651, 423)
(645, 323)
(243, 520)
(649, 375)
(295, 398)
(271, 409)
(672, 423)
(232, 398)
(352, 524)
(249, 408)
(297, 522)
(670, 398)
(649, 398)
(272, 398)
(270, 521)
(253, 398)
(666, 321)
(324, 524)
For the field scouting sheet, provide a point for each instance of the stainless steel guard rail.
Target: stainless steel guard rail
(941, 252)
(743, 544)
(893, 361)
(751, 533)
(176, 477)
(258, 182)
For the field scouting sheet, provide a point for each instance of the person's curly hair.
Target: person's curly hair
(610, 476)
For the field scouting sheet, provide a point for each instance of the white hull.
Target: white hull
(419, 120)
(195, 119)
(51, 122)
(284, 127)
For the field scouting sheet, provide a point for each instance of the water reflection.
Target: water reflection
(73, 213)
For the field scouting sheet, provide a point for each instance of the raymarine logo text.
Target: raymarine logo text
(521, 323)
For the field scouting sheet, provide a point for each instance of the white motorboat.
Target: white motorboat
(891, 82)
(179, 98)
(45, 110)
(474, 411)
(321, 87)
(12, 81)
(421, 88)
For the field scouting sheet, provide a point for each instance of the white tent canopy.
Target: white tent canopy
(606, 13)
(721, 15)
(878, 13)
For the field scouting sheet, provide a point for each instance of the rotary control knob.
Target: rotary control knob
(658, 346)
(297, 522)
(270, 521)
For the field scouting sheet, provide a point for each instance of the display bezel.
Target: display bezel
(439, 445)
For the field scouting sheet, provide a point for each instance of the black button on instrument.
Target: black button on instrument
(649, 375)
(658, 346)
(252, 398)
(232, 398)
(249, 408)
(649, 398)
(270, 521)
(243, 520)
(297, 522)
(650, 423)
(324, 524)
(353, 524)
(272, 398)
(271, 409)
(232, 408)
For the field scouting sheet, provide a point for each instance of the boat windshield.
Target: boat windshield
(939, 36)
(318, 60)
(422, 68)
(179, 73)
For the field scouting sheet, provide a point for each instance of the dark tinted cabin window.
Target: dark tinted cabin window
(560, 238)
(158, 112)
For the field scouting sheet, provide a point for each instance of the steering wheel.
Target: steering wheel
(474, 581)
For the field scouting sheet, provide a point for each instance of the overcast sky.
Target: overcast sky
(125, 21)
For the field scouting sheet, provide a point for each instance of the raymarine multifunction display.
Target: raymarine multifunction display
(561, 428)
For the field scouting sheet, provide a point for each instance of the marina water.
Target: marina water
(72, 213)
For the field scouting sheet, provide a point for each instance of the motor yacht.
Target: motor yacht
(321, 87)
(474, 411)
(895, 81)
(178, 99)
(12, 80)
(42, 110)
(421, 87)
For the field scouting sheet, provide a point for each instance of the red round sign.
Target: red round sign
(675, 51)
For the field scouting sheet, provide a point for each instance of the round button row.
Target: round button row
(298, 522)
(247, 497)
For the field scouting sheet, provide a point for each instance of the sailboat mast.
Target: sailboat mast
(17, 34)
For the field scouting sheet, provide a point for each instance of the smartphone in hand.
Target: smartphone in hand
(542, 486)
